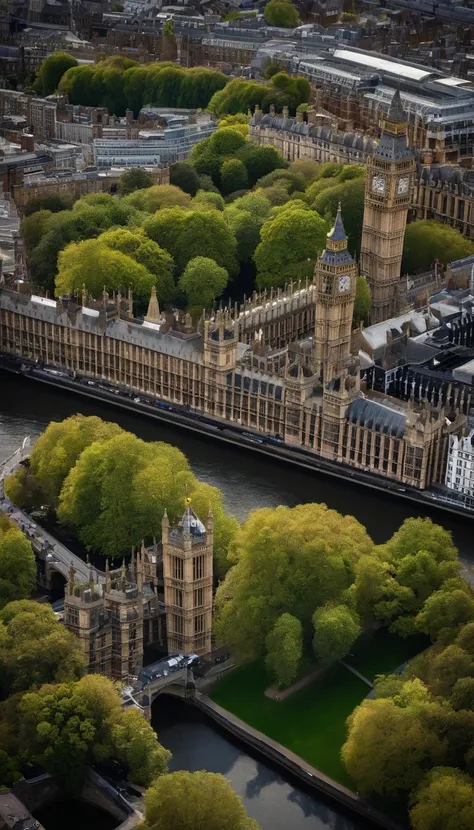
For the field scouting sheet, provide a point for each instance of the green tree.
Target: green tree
(233, 175)
(446, 610)
(34, 227)
(89, 218)
(189, 234)
(362, 302)
(307, 168)
(335, 631)
(168, 28)
(404, 748)
(203, 281)
(443, 801)
(237, 96)
(59, 447)
(271, 69)
(174, 802)
(95, 265)
(205, 200)
(299, 232)
(146, 253)
(259, 161)
(281, 13)
(158, 197)
(67, 727)
(447, 666)
(226, 141)
(17, 563)
(35, 648)
(136, 745)
(184, 176)
(427, 241)
(246, 229)
(462, 694)
(22, 489)
(254, 203)
(286, 561)
(134, 179)
(284, 649)
(53, 202)
(52, 70)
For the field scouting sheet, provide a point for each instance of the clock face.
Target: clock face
(378, 184)
(344, 283)
(403, 185)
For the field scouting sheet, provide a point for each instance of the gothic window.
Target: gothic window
(198, 567)
(198, 597)
(199, 624)
(177, 568)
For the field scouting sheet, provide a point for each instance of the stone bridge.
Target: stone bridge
(171, 675)
(55, 556)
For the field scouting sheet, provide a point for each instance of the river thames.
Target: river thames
(247, 482)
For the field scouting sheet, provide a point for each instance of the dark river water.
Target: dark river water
(247, 482)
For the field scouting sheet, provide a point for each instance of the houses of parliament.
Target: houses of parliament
(283, 364)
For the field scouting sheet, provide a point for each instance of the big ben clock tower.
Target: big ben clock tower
(388, 188)
(335, 279)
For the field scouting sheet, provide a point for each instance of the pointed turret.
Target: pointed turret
(336, 252)
(153, 313)
(337, 233)
(396, 113)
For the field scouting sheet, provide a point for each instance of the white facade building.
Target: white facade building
(460, 467)
(158, 148)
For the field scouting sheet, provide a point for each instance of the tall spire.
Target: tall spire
(337, 233)
(396, 113)
(153, 313)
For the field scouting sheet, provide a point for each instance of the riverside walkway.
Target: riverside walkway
(56, 556)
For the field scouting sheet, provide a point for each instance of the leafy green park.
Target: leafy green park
(312, 721)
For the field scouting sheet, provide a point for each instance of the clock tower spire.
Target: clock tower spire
(335, 280)
(388, 188)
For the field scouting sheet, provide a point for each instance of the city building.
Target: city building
(187, 574)
(152, 147)
(112, 619)
(307, 394)
(460, 467)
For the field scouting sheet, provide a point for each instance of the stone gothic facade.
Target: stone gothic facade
(281, 366)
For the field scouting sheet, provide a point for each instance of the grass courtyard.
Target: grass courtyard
(312, 722)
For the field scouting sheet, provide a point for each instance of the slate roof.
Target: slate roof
(377, 416)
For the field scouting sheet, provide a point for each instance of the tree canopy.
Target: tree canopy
(335, 631)
(286, 561)
(284, 649)
(184, 176)
(289, 246)
(119, 83)
(35, 648)
(174, 801)
(51, 71)
(427, 241)
(66, 727)
(17, 563)
(281, 13)
(445, 799)
(59, 447)
(134, 179)
(362, 302)
(203, 281)
(187, 234)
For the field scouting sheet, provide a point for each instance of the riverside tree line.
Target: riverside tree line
(299, 586)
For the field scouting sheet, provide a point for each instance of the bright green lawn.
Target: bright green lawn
(312, 722)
